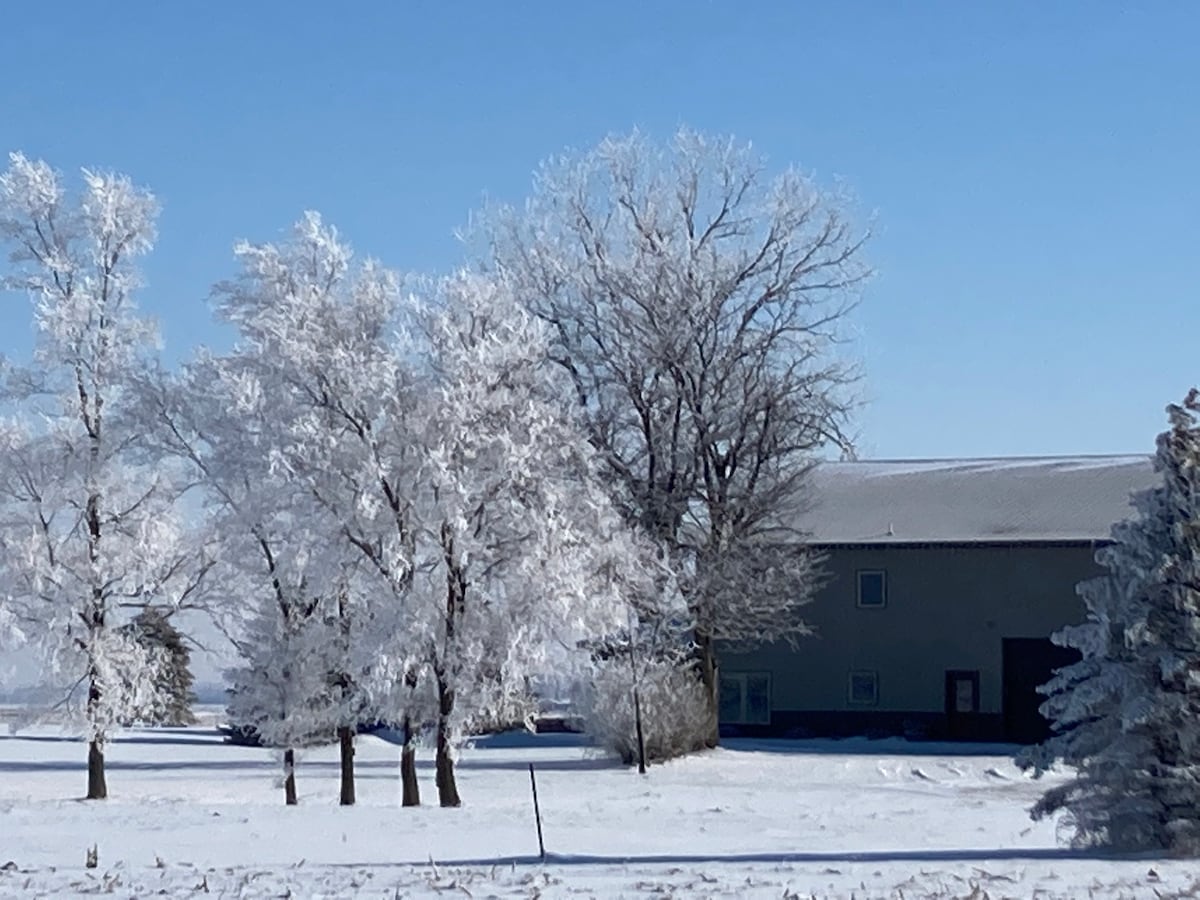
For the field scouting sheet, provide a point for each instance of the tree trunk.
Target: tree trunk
(641, 734)
(289, 777)
(346, 690)
(346, 745)
(97, 784)
(444, 762)
(456, 599)
(708, 676)
(410, 791)
(446, 785)
(97, 788)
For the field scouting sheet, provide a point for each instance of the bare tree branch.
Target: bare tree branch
(697, 308)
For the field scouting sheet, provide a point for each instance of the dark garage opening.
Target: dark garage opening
(1029, 663)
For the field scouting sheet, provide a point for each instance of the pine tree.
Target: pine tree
(152, 629)
(1125, 716)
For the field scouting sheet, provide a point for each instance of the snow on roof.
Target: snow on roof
(1013, 500)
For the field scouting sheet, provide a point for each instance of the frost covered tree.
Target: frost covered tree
(697, 307)
(278, 691)
(153, 629)
(275, 561)
(1123, 715)
(520, 553)
(11, 633)
(323, 357)
(431, 438)
(87, 515)
(232, 421)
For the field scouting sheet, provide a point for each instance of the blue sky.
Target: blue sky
(1031, 166)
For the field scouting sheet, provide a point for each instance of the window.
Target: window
(962, 691)
(864, 687)
(872, 588)
(964, 696)
(745, 698)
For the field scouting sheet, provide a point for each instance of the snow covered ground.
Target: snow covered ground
(189, 814)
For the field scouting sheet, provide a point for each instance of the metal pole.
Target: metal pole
(537, 814)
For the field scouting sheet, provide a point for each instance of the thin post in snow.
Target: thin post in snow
(641, 735)
(537, 815)
(637, 701)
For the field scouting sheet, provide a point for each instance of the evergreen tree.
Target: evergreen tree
(153, 630)
(1125, 716)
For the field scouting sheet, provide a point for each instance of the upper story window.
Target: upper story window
(872, 588)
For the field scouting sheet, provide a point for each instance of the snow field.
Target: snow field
(188, 813)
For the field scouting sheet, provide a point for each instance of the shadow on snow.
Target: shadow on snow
(951, 855)
(861, 746)
(197, 738)
(525, 740)
(369, 769)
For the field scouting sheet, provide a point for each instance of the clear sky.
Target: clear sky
(1031, 165)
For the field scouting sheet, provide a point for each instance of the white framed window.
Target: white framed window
(862, 687)
(871, 588)
(745, 698)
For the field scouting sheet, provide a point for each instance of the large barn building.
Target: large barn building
(946, 579)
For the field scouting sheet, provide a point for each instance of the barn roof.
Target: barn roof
(1013, 500)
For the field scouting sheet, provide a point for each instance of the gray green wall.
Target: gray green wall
(947, 608)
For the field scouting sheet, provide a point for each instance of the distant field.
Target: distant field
(207, 714)
(188, 813)
(12, 712)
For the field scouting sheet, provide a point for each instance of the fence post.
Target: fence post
(641, 735)
(537, 815)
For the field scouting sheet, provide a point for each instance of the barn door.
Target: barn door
(962, 702)
(1028, 664)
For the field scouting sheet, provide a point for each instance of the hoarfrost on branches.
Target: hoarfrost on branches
(439, 456)
(280, 434)
(521, 552)
(696, 309)
(87, 515)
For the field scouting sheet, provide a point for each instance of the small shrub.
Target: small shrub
(675, 717)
